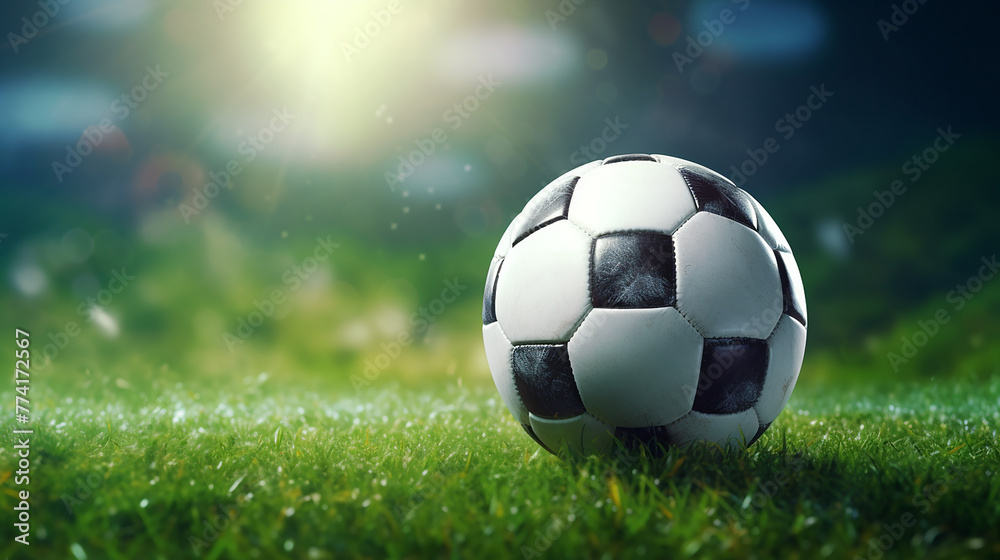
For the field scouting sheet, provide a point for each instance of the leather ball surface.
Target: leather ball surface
(644, 299)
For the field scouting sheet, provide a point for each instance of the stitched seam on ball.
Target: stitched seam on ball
(576, 327)
(493, 294)
(686, 220)
(577, 226)
(698, 208)
(770, 336)
(673, 269)
(590, 267)
(686, 414)
(598, 418)
(517, 391)
(591, 261)
(677, 297)
(677, 279)
(537, 228)
(575, 181)
(629, 231)
(697, 204)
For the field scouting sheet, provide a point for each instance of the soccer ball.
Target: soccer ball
(647, 299)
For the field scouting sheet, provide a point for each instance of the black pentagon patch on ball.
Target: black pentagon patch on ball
(713, 193)
(540, 212)
(732, 375)
(490, 293)
(531, 432)
(760, 431)
(629, 157)
(653, 438)
(633, 271)
(544, 381)
(791, 305)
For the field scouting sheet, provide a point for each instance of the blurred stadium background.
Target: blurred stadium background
(129, 268)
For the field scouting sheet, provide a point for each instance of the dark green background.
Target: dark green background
(560, 79)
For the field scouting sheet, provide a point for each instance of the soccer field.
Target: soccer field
(265, 471)
(327, 280)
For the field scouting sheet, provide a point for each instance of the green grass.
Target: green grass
(268, 470)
